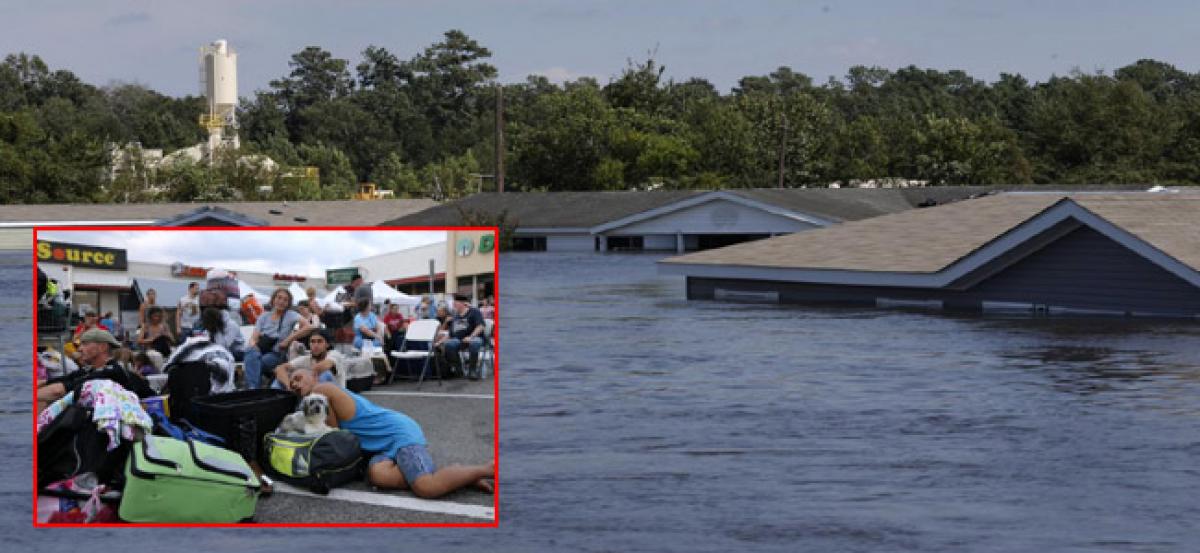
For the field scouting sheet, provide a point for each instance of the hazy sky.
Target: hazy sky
(292, 252)
(156, 42)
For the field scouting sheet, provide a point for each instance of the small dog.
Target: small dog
(309, 418)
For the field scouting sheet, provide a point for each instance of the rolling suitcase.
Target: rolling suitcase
(169, 480)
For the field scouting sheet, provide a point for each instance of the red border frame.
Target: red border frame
(495, 383)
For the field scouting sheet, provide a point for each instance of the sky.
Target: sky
(156, 43)
(272, 251)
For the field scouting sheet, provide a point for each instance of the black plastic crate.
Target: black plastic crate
(243, 417)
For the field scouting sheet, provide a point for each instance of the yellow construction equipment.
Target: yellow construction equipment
(368, 191)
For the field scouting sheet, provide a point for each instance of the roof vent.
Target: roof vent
(275, 212)
(300, 219)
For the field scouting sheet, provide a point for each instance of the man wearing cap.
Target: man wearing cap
(320, 360)
(465, 326)
(356, 290)
(96, 362)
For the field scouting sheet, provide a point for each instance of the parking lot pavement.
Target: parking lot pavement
(457, 418)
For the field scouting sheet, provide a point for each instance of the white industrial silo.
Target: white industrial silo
(218, 84)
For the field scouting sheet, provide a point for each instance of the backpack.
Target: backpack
(186, 381)
(317, 462)
(71, 445)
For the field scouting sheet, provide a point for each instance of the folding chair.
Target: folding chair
(487, 354)
(424, 330)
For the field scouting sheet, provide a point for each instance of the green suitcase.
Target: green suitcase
(169, 480)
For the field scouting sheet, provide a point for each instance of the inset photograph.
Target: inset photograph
(266, 376)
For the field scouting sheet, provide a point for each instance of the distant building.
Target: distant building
(17, 221)
(676, 220)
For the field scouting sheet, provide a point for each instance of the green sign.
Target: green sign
(340, 276)
(487, 243)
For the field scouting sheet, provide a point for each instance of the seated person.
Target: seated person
(90, 321)
(401, 459)
(155, 334)
(272, 333)
(396, 325)
(300, 345)
(109, 322)
(219, 327)
(322, 362)
(465, 326)
(366, 326)
(96, 356)
(143, 365)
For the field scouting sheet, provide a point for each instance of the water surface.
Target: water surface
(632, 419)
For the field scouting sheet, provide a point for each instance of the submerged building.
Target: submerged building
(676, 220)
(1081, 253)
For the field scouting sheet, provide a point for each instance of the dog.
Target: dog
(309, 418)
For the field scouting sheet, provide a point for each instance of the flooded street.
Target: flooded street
(632, 419)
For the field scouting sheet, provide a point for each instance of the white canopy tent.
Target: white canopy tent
(245, 290)
(332, 296)
(380, 292)
(298, 293)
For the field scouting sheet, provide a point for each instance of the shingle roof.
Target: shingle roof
(853, 204)
(588, 209)
(548, 209)
(929, 240)
(317, 213)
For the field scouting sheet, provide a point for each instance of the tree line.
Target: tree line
(424, 127)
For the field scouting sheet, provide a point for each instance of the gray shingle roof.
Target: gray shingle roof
(548, 209)
(929, 240)
(588, 209)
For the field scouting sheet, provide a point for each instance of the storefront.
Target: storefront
(471, 263)
(408, 270)
(104, 280)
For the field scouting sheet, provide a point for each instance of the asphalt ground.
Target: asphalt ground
(457, 418)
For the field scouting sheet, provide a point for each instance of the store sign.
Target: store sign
(82, 256)
(289, 278)
(340, 276)
(464, 247)
(187, 271)
(487, 243)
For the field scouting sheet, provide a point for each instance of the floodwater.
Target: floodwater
(634, 420)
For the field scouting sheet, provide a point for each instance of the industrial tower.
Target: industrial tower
(218, 85)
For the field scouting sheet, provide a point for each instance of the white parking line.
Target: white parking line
(424, 394)
(396, 501)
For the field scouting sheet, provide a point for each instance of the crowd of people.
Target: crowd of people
(282, 332)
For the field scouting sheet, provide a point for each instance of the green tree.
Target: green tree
(337, 176)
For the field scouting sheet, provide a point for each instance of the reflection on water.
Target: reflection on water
(632, 419)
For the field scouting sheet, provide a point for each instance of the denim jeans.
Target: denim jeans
(454, 344)
(257, 362)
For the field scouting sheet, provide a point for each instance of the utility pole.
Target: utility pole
(782, 149)
(499, 171)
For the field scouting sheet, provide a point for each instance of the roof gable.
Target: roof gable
(939, 247)
(211, 216)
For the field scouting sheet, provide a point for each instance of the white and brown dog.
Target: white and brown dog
(309, 418)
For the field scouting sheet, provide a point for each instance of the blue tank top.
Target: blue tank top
(381, 430)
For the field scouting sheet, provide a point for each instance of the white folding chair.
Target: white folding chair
(419, 331)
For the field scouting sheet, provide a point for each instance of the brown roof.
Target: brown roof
(929, 240)
(317, 213)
